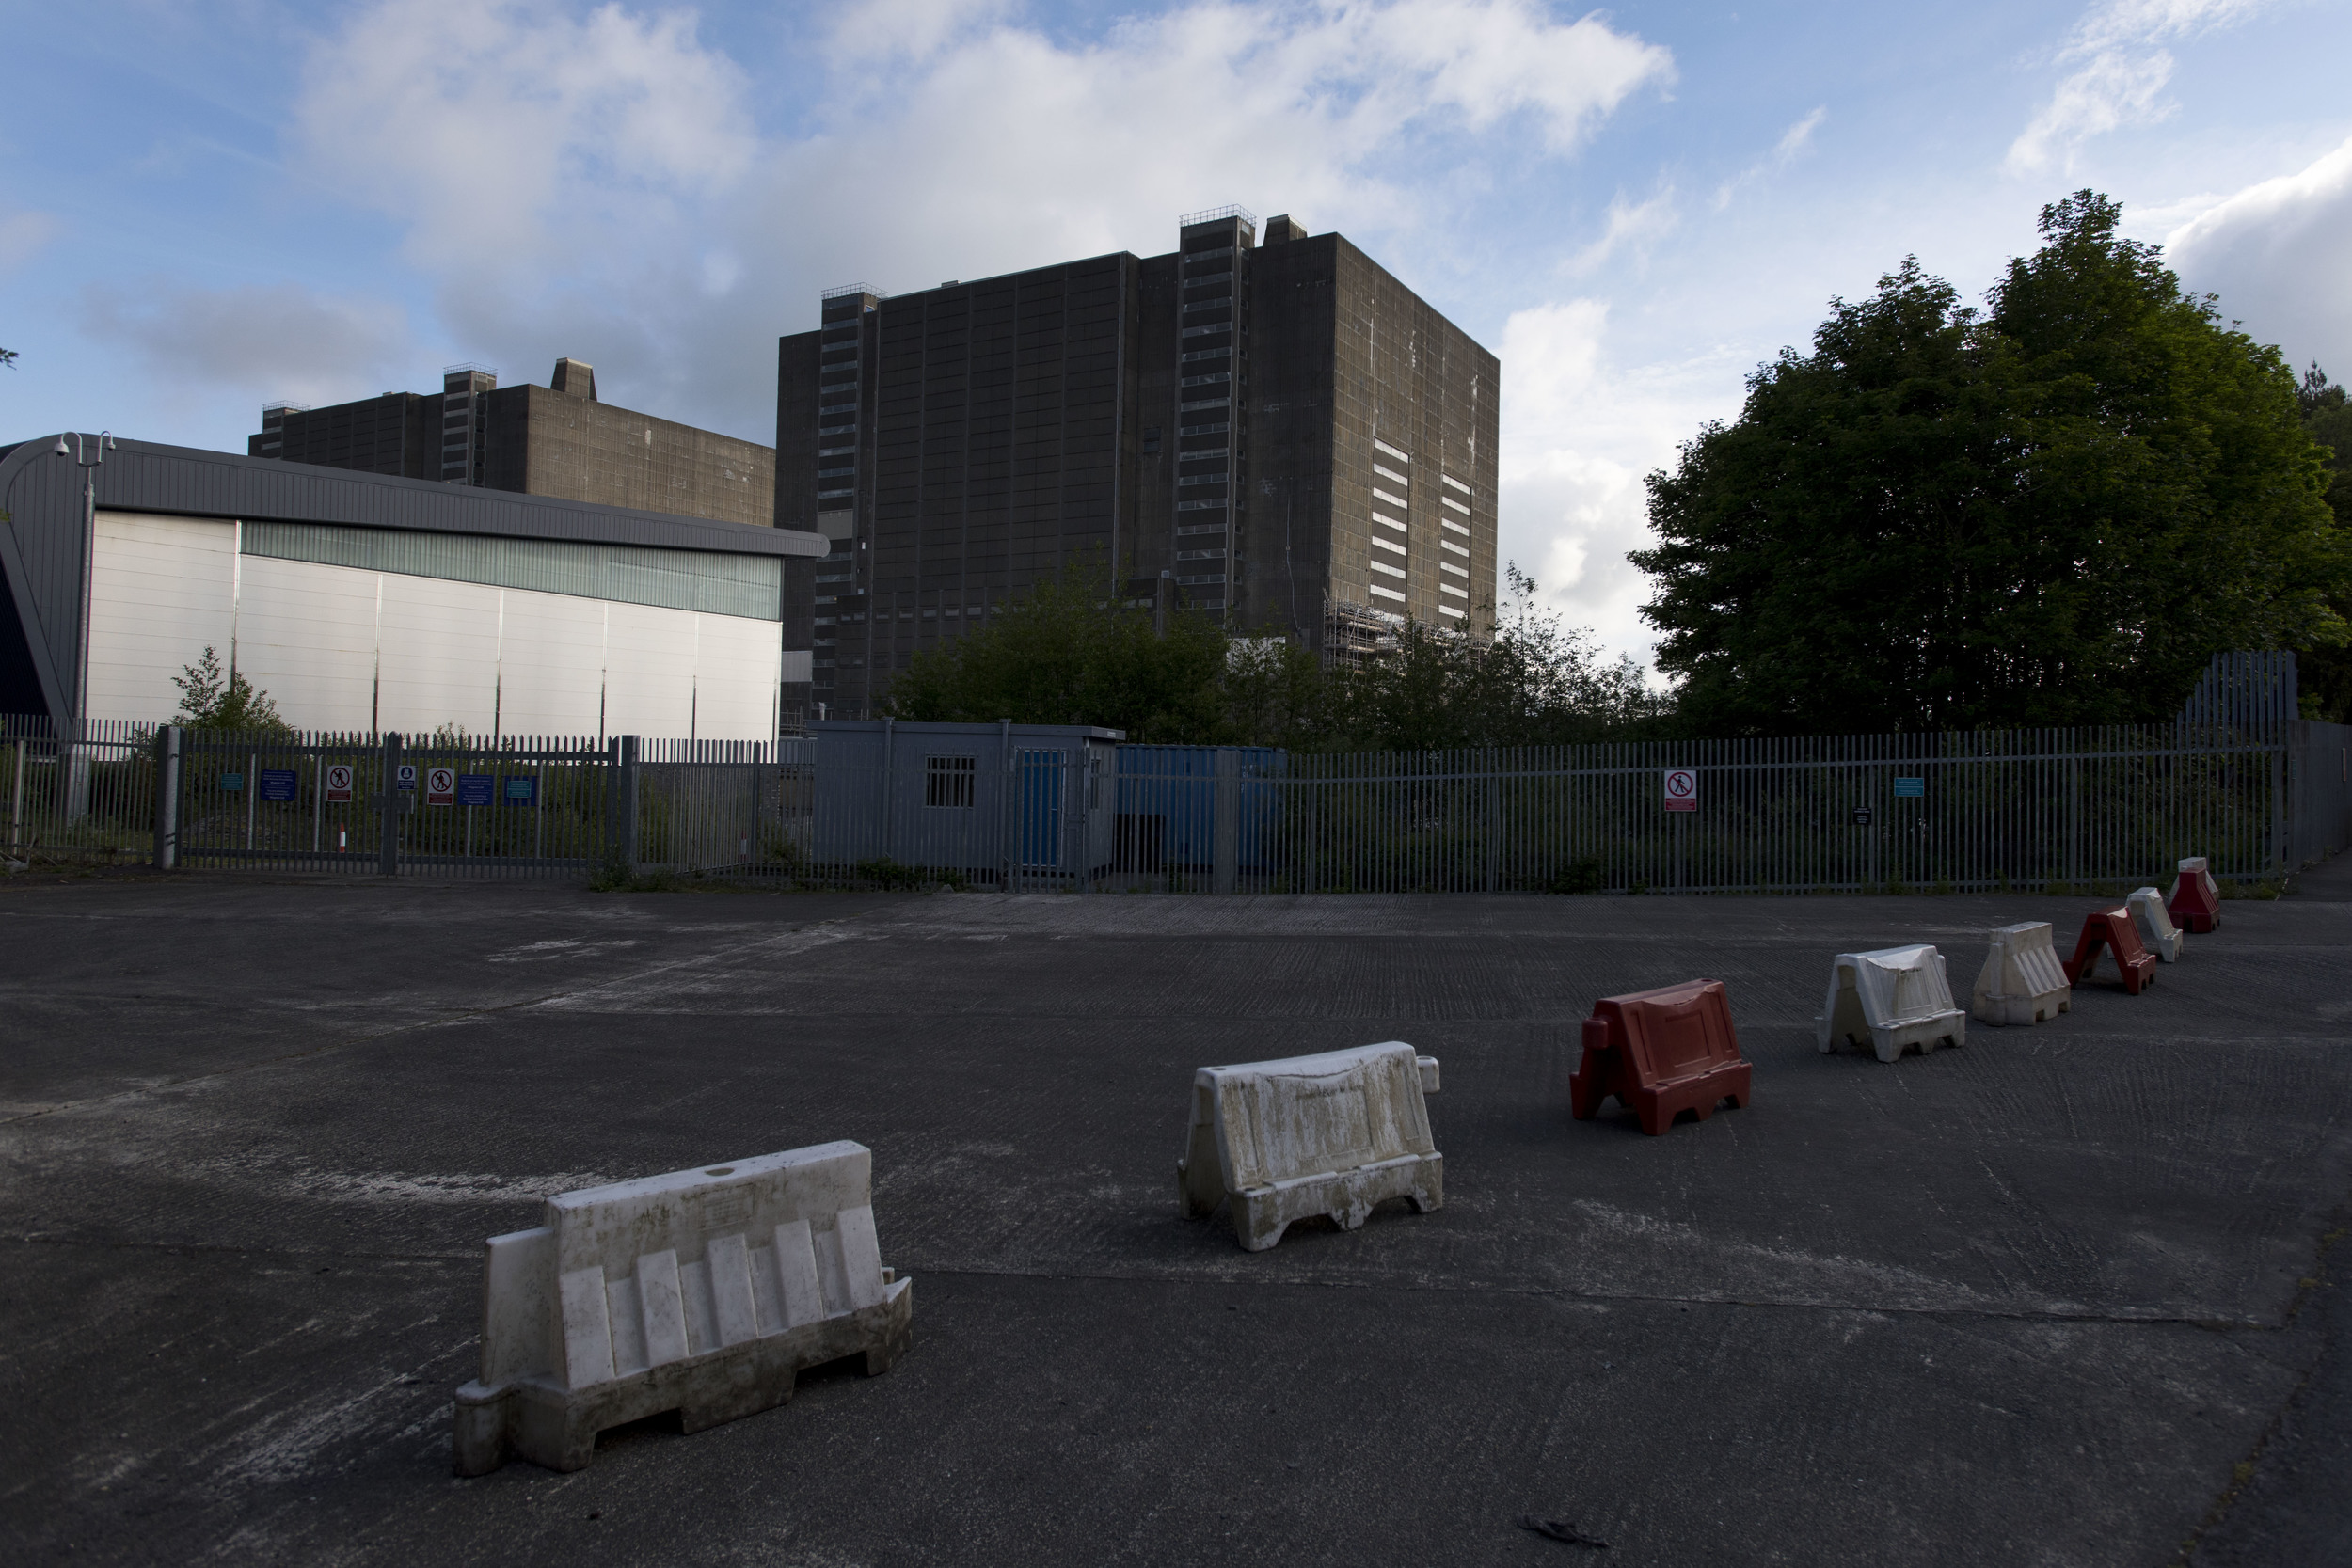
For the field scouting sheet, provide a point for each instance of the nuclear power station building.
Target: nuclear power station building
(1269, 427)
(557, 441)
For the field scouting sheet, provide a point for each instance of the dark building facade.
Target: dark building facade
(1279, 432)
(556, 440)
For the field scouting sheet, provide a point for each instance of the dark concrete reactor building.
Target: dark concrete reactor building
(555, 440)
(1277, 431)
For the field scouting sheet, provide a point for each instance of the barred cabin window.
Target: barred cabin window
(948, 781)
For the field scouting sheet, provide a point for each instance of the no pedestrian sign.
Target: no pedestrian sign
(440, 786)
(338, 781)
(1682, 789)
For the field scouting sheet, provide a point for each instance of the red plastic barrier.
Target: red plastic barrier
(1660, 1053)
(2195, 902)
(2114, 930)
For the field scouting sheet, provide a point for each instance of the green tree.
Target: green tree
(1276, 693)
(2327, 671)
(1069, 653)
(2053, 511)
(211, 699)
(1538, 683)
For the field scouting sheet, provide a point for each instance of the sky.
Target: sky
(204, 208)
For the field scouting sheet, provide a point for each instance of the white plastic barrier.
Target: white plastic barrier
(1331, 1134)
(1894, 998)
(702, 1291)
(2021, 981)
(2156, 932)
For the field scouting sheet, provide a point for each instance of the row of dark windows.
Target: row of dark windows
(899, 337)
(1078, 305)
(1031, 518)
(902, 361)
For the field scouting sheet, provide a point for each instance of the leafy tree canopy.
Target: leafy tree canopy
(2051, 511)
(2327, 671)
(1069, 653)
(1538, 683)
(211, 699)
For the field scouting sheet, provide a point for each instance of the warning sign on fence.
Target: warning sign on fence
(337, 777)
(1682, 789)
(440, 786)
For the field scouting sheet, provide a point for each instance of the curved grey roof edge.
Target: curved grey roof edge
(191, 480)
(42, 545)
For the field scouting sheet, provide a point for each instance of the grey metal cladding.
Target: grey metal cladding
(42, 550)
(751, 586)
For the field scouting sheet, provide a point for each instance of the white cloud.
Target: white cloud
(505, 133)
(2276, 254)
(1792, 142)
(1632, 225)
(910, 29)
(1580, 432)
(596, 185)
(2120, 73)
(22, 235)
(266, 343)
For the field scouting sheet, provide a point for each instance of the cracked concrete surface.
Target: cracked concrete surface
(2058, 1296)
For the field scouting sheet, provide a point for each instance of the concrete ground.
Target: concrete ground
(2061, 1296)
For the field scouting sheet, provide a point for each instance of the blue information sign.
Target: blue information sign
(1910, 788)
(232, 781)
(408, 775)
(277, 783)
(473, 789)
(521, 791)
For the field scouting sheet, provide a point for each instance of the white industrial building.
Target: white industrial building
(365, 603)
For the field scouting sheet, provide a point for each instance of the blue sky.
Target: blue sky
(204, 208)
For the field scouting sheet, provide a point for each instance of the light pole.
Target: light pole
(77, 764)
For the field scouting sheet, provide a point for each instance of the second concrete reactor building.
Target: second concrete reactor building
(554, 440)
(1279, 432)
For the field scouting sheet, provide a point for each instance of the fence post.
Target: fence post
(631, 747)
(1007, 816)
(2278, 805)
(890, 787)
(388, 808)
(75, 760)
(608, 843)
(167, 797)
(16, 803)
(1225, 823)
(2073, 819)
(1082, 860)
(1494, 821)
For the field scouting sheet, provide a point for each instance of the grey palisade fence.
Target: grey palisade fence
(2235, 778)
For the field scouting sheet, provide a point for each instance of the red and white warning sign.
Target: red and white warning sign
(339, 781)
(1682, 789)
(440, 786)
